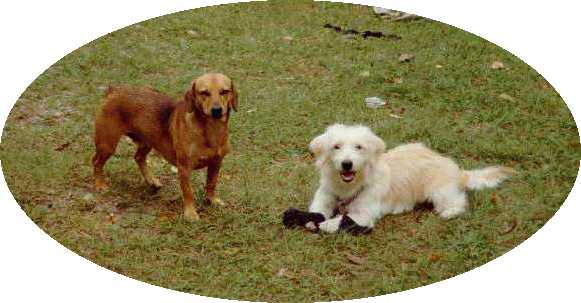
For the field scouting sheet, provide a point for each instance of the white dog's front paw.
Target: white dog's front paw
(330, 226)
(451, 212)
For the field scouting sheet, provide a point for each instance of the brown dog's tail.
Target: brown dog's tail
(109, 90)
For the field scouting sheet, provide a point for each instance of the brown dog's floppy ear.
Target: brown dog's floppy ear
(233, 102)
(190, 98)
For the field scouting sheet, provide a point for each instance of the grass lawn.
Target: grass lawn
(448, 96)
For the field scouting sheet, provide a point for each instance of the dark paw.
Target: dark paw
(293, 217)
(348, 225)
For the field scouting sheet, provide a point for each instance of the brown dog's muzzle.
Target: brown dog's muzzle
(216, 112)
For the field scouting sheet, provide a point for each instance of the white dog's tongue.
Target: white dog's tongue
(347, 176)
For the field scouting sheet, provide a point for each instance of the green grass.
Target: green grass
(289, 93)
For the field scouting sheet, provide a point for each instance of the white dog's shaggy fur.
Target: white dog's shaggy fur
(356, 171)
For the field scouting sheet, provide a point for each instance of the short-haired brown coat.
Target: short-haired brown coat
(190, 134)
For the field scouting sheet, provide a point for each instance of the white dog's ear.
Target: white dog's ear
(318, 147)
(317, 144)
(376, 144)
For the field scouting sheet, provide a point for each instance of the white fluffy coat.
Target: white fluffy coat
(389, 182)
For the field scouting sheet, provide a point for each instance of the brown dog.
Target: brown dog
(190, 134)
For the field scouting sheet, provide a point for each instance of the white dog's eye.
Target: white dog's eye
(337, 146)
(358, 147)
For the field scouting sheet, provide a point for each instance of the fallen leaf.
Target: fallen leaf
(406, 17)
(395, 116)
(395, 80)
(167, 215)
(405, 57)
(497, 65)
(506, 97)
(434, 257)
(493, 198)
(281, 272)
(365, 73)
(375, 102)
(112, 218)
(438, 66)
(88, 197)
(355, 259)
(399, 111)
(288, 39)
(62, 146)
(193, 33)
(510, 227)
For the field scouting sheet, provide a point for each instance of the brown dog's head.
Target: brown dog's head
(212, 94)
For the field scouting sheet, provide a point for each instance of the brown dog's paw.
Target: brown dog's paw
(191, 215)
(216, 201)
(155, 184)
(101, 185)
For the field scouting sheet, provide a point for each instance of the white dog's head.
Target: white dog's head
(346, 149)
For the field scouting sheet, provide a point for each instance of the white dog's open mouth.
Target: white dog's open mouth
(347, 176)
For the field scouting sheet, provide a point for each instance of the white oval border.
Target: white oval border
(35, 34)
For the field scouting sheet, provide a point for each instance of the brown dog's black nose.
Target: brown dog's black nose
(347, 165)
(216, 112)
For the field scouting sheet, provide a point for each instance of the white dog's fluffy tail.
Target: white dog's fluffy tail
(486, 177)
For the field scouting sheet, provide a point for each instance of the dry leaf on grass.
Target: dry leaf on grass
(493, 198)
(62, 146)
(434, 257)
(112, 218)
(509, 227)
(364, 74)
(506, 97)
(193, 33)
(395, 80)
(284, 273)
(354, 259)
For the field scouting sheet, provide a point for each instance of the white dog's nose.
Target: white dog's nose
(347, 165)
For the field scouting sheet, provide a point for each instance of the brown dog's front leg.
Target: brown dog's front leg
(212, 180)
(190, 212)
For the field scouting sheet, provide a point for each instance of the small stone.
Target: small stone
(497, 65)
(88, 197)
(288, 39)
(193, 33)
(438, 66)
(406, 57)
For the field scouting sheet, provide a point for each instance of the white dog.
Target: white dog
(367, 183)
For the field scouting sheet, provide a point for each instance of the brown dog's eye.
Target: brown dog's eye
(205, 93)
(337, 146)
(224, 92)
(358, 147)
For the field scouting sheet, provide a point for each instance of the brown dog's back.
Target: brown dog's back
(143, 114)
